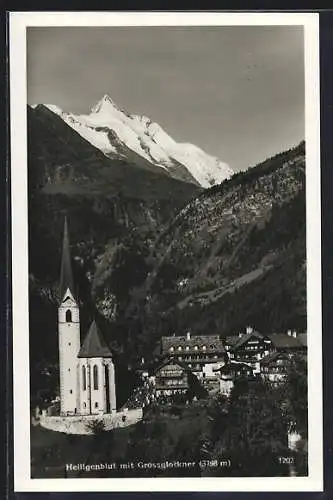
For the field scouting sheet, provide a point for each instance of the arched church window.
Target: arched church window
(84, 378)
(95, 375)
(68, 316)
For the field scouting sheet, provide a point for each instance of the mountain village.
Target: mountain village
(188, 309)
(184, 368)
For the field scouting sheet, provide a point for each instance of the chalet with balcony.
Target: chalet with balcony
(196, 352)
(274, 367)
(171, 378)
(249, 348)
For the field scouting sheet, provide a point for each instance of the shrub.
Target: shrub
(97, 426)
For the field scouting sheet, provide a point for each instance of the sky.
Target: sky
(235, 91)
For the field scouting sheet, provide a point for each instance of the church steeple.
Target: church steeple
(66, 273)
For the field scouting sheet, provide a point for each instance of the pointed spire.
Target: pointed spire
(94, 346)
(66, 274)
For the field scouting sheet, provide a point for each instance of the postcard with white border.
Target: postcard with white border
(166, 271)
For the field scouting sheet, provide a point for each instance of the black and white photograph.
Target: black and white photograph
(166, 207)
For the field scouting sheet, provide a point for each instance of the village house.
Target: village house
(274, 367)
(171, 378)
(230, 372)
(291, 342)
(248, 348)
(199, 353)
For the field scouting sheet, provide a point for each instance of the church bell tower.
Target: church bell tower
(68, 334)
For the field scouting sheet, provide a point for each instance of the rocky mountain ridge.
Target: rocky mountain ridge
(155, 255)
(120, 135)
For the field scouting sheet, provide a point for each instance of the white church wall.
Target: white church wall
(89, 396)
(84, 395)
(69, 345)
(112, 384)
(97, 392)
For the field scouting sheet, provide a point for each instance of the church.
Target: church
(87, 373)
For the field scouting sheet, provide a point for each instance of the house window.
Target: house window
(84, 378)
(195, 347)
(68, 316)
(95, 375)
(70, 391)
(203, 347)
(171, 349)
(179, 348)
(96, 405)
(84, 405)
(187, 347)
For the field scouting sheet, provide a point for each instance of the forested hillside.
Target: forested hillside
(235, 255)
(153, 255)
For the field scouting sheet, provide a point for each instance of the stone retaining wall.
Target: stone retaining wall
(77, 424)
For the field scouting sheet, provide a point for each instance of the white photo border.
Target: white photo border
(18, 23)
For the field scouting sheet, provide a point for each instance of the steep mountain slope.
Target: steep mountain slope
(110, 197)
(107, 201)
(235, 255)
(155, 255)
(121, 135)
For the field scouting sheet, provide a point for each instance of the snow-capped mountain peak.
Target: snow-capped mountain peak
(104, 105)
(119, 134)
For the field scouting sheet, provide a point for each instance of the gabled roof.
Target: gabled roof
(67, 298)
(234, 365)
(94, 346)
(231, 340)
(66, 274)
(172, 361)
(282, 340)
(244, 338)
(210, 341)
(272, 357)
